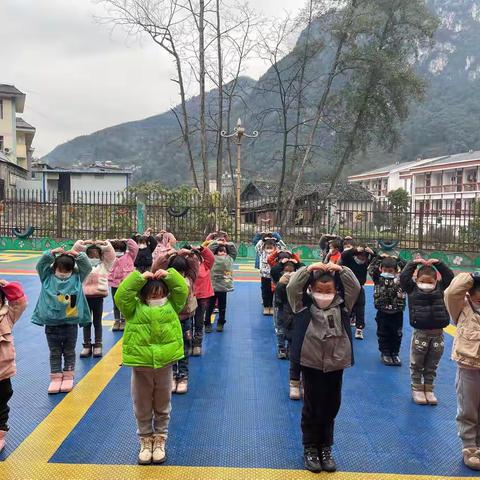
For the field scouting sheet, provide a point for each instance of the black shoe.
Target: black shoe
(326, 459)
(220, 327)
(396, 361)
(312, 459)
(387, 360)
(208, 328)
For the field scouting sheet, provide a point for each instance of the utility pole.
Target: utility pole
(239, 133)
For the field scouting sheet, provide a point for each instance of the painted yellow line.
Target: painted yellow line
(451, 330)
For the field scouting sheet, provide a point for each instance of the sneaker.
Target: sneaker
(158, 449)
(208, 328)
(353, 322)
(311, 459)
(396, 361)
(431, 398)
(67, 382)
(270, 311)
(197, 352)
(121, 326)
(294, 390)
(182, 386)
(326, 459)
(86, 351)
(418, 396)
(215, 310)
(266, 311)
(3, 435)
(116, 326)
(359, 334)
(97, 350)
(387, 360)
(174, 385)
(220, 327)
(281, 354)
(471, 457)
(55, 383)
(145, 454)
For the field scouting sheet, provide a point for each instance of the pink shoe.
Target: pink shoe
(55, 383)
(67, 382)
(3, 435)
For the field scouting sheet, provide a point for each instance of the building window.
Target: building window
(1, 143)
(1, 108)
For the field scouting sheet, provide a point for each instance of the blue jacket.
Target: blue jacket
(62, 301)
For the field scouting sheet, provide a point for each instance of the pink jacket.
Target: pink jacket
(96, 284)
(9, 314)
(203, 284)
(166, 242)
(123, 266)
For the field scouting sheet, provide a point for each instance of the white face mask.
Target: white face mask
(94, 262)
(63, 276)
(323, 300)
(119, 254)
(157, 302)
(426, 287)
(142, 246)
(475, 306)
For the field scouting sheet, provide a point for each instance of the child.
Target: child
(13, 303)
(326, 248)
(151, 344)
(390, 302)
(185, 261)
(61, 308)
(322, 297)
(334, 254)
(165, 242)
(222, 281)
(203, 292)
(462, 298)
(357, 259)
(428, 317)
(101, 256)
(126, 252)
(146, 246)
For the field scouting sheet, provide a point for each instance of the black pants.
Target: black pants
(222, 307)
(199, 321)
(322, 399)
(96, 309)
(389, 332)
(267, 294)
(62, 340)
(359, 310)
(6, 392)
(116, 312)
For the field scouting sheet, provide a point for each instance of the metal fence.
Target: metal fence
(192, 216)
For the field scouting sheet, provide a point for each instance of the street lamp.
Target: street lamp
(238, 132)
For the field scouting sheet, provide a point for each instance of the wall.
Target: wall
(6, 124)
(98, 182)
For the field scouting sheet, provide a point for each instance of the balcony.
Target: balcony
(466, 187)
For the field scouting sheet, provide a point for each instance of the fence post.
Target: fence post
(141, 212)
(59, 215)
(420, 225)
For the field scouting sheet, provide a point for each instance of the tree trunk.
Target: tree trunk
(203, 126)
(220, 102)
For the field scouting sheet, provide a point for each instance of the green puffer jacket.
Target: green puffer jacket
(222, 274)
(153, 335)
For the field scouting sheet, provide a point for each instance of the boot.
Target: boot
(387, 360)
(87, 350)
(397, 362)
(270, 311)
(67, 382)
(197, 352)
(326, 459)
(116, 326)
(145, 454)
(430, 396)
(97, 350)
(266, 311)
(182, 386)
(159, 455)
(294, 390)
(3, 435)
(220, 327)
(55, 383)
(471, 457)
(208, 328)
(418, 395)
(121, 326)
(359, 334)
(311, 459)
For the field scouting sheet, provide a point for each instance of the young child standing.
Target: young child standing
(222, 281)
(166, 241)
(61, 308)
(152, 342)
(322, 297)
(126, 252)
(146, 246)
(462, 298)
(390, 302)
(101, 256)
(13, 303)
(428, 317)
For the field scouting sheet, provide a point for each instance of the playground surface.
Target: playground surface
(236, 422)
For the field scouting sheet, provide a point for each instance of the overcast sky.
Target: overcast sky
(80, 77)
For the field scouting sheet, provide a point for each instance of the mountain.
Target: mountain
(447, 122)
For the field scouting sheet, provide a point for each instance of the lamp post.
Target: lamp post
(239, 133)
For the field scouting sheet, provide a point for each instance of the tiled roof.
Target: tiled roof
(460, 157)
(21, 123)
(9, 90)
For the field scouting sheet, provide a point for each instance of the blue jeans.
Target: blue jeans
(61, 341)
(180, 369)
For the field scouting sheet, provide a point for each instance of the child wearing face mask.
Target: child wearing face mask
(462, 298)
(428, 317)
(61, 308)
(101, 256)
(152, 342)
(357, 259)
(126, 252)
(146, 246)
(322, 297)
(325, 245)
(166, 241)
(390, 302)
(222, 282)
(13, 303)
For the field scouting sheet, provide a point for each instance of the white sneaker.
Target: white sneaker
(471, 457)
(197, 351)
(182, 386)
(158, 454)
(294, 390)
(431, 398)
(97, 351)
(359, 334)
(145, 454)
(86, 351)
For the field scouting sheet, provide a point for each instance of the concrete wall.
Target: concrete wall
(7, 124)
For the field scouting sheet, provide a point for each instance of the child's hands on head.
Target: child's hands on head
(333, 267)
(3, 283)
(148, 275)
(60, 250)
(159, 274)
(317, 267)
